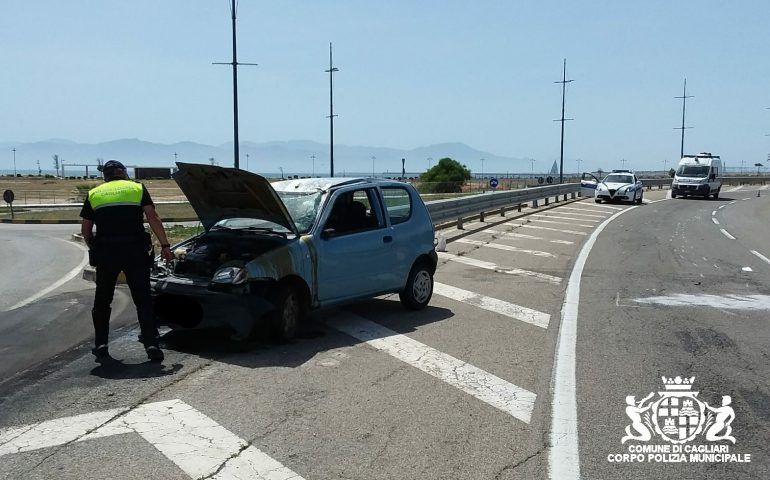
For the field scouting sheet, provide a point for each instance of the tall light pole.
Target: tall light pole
(684, 98)
(373, 159)
(564, 83)
(578, 162)
(482, 169)
(532, 166)
(234, 63)
(664, 166)
(623, 163)
(430, 162)
(247, 162)
(331, 71)
(14, 161)
(313, 158)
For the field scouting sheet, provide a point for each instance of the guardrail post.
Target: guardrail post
(565, 197)
(534, 203)
(519, 208)
(502, 211)
(481, 216)
(546, 200)
(572, 196)
(460, 223)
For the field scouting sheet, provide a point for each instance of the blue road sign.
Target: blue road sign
(493, 182)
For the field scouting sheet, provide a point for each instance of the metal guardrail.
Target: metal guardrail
(443, 211)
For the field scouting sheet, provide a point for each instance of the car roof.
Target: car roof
(306, 185)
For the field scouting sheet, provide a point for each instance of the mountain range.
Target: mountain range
(291, 157)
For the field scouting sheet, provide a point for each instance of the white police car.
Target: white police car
(619, 186)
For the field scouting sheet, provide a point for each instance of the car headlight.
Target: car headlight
(230, 275)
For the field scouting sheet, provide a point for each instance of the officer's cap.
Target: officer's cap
(112, 165)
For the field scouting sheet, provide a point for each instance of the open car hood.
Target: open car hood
(218, 193)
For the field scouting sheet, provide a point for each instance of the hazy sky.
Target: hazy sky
(412, 73)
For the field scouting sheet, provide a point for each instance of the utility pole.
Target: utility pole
(313, 158)
(247, 162)
(564, 83)
(430, 162)
(578, 162)
(684, 98)
(14, 162)
(532, 166)
(373, 159)
(482, 169)
(175, 155)
(664, 166)
(623, 163)
(331, 71)
(234, 63)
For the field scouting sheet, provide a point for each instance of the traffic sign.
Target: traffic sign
(8, 196)
(493, 182)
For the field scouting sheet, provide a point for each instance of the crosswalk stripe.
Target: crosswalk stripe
(509, 248)
(560, 223)
(494, 267)
(597, 205)
(525, 236)
(574, 232)
(501, 394)
(528, 315)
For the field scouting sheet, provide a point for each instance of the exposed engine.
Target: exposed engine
(204, 255)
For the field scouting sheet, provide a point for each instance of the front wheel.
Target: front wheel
(598, 200)
(286, 317)
(419, 287)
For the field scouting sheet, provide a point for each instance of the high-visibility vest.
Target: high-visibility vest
(116, 192)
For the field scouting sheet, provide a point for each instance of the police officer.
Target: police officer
(122, 245)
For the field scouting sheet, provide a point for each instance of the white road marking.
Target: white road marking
(66, 278)
(735, 189)
(508, 248)
(716, 222)
(726, 234)
(574, 232)
(494, 267)
(732, 202)
(600, 205)
(525, 236)
(194, 442)
(713, 212)
(727, 302)
(764, 187)
(760, 256)
(747, 269)
(744, 199)
(514, 400)
(582, 210)
(559, 217)
(561, 223)
(528, 315)
(721, 207)
(564, 457)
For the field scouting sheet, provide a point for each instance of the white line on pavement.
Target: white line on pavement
(760, 256)
(194, 442)
(508, 248)
(564, 457)
(561, 223)
(528, 315)
(716, 222)
(727, 302)
(735, 189)
(516, 401)
(572, 211)
(494, 267)
(559, 217)
(713, 212)
(747, 269)
(586, 209)
(726, 234)
(525, 236)
(721, 207)
(66, 278)
(574, 232)
(599, 205)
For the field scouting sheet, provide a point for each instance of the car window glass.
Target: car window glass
(353, 212)
(398, 204)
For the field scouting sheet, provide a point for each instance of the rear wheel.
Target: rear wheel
(641, 197)
(286, 317)
(419, 287)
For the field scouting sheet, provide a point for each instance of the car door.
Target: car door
(354, 247)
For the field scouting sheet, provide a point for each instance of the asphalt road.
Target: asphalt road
(463, 389)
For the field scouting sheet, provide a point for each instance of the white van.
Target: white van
(699, 175)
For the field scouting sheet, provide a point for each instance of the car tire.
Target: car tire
(288, 313)
(673, 195)
(598, 200)
(419, 287)
(641, 197)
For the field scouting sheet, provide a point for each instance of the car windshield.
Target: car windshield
(693, 170)
(303, 207)
(618, 179)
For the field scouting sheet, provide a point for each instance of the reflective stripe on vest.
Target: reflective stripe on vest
(116, 192)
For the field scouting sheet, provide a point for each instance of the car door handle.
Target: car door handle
(387, 239)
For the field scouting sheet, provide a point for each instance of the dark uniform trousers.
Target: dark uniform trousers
(131, 259)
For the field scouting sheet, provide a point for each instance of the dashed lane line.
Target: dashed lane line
(501, 394)
(511, 310)
(760, 256)
(537, 227)
(508, 248)
(525, 236)
(726, 234)
(559, 217)
(716, 222)
(195, 443)
(494, 267)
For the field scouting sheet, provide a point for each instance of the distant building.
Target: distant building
(152, 173)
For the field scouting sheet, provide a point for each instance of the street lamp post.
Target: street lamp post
(373, 159)
(532, 166)
(313, 158)
(482, 169)
(578, 162)
(14, 161)
(331, 71)
(430, 162)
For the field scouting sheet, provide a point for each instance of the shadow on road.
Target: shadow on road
(114, 369)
